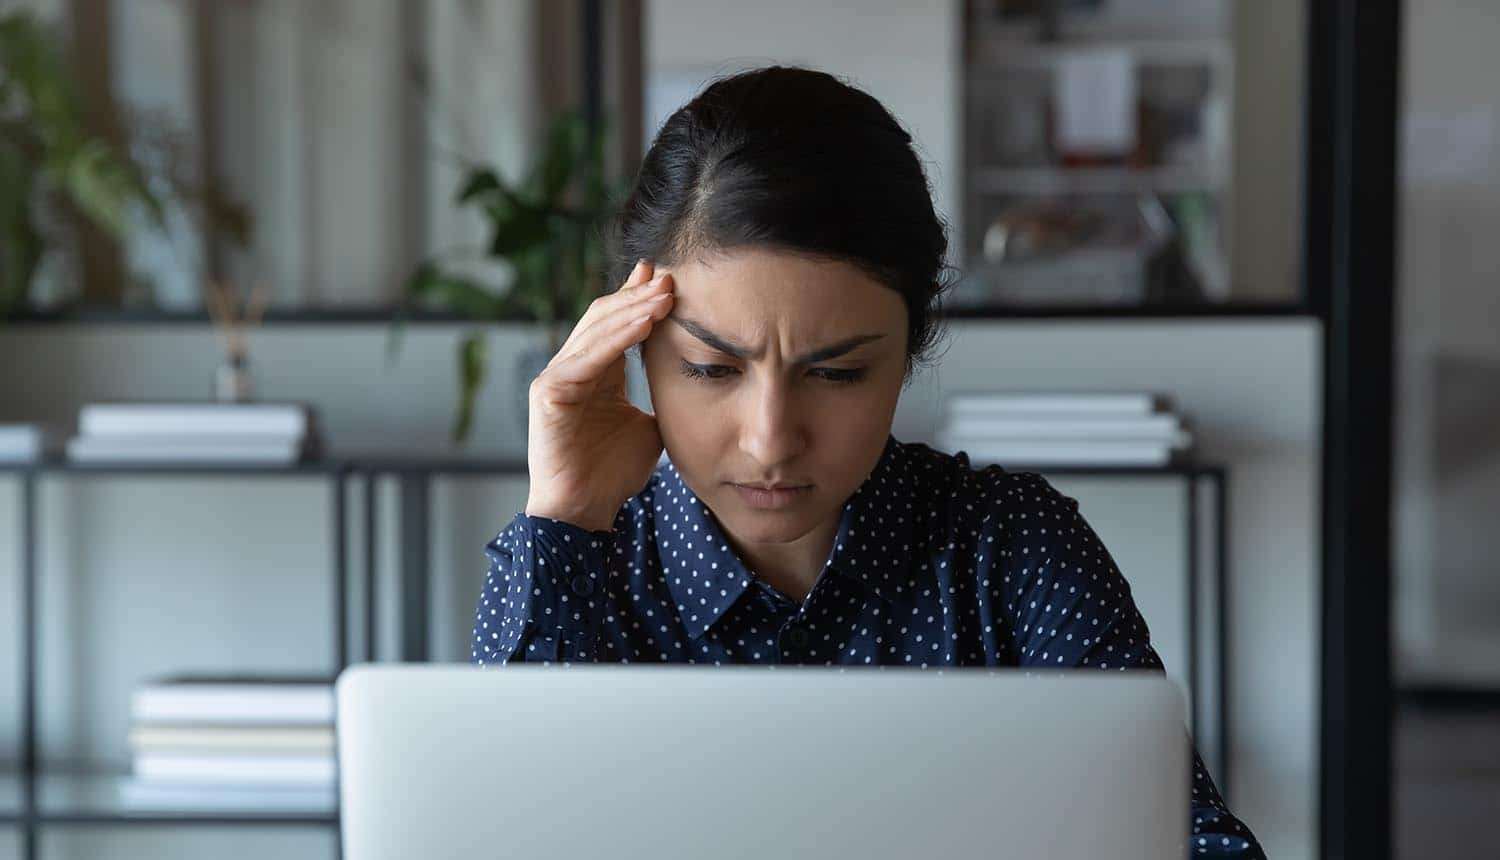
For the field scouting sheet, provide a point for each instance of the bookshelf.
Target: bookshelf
(1165, 177)
(33, 798)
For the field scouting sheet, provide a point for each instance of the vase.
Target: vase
(232, 380)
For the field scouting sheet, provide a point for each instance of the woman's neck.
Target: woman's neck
(791, 568)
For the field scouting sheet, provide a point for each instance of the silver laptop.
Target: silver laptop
(666, 762)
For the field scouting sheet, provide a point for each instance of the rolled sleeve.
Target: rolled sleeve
(542, 595)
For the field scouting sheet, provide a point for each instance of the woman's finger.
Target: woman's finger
(639, 275)
(603, 305)
(606, 344)
(608, 315)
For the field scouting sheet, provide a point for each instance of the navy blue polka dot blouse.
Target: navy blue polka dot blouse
(934, 564)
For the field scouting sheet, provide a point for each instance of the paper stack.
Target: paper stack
(24, 443)
(250, 433)
(251, 744)
(1061, 429)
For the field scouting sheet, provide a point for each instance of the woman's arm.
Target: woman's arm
(543, 595)
(1072, 607)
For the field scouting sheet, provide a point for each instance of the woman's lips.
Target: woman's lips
(756, 497)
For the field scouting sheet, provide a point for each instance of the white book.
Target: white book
(1045, 425)
(190, 419)
(1178, 441)
(265, 450)
(292, 770)
(238, 701)
(138, 793)
(1065, 453)
(241, 739)
(22, 443)
(1094, 101)
(1091, 403)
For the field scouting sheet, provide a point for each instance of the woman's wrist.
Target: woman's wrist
(588, 521)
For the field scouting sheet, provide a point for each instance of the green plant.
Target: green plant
(47, 156)
(546, 229)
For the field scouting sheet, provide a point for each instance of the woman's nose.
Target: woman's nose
(771, 429)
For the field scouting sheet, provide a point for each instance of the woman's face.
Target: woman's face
(776, 368)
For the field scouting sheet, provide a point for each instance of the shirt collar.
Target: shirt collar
(705, 576)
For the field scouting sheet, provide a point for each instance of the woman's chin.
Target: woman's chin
(769, 526)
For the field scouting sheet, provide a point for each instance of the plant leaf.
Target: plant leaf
(430, 285)
(98, 184)
(480, 181)
(521, 229)
(471, 352)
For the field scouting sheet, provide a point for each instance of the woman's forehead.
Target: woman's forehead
(753, 263)
(740, 282)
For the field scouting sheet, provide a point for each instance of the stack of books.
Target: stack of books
(233, 743)
(24, 443)
(249, 433)
(1062, 429)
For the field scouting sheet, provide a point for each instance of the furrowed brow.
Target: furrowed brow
(722, 344)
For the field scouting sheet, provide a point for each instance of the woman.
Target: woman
(788, 264)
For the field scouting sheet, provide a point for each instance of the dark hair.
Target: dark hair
(796, 160)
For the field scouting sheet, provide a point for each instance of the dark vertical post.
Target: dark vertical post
(29, 673)
(370, 564)
(590, 48)
(414, 576)
(1195, 677)
(626, 78)
(1222, 618)
(340, 568)
(1353, 54)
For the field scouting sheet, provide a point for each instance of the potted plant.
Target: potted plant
(49, 163)
(547, 231)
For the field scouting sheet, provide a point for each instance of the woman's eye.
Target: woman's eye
(705, 371)
(840, 377)
(836, 376)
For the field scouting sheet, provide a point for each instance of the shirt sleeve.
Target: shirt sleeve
(1069, 605)
(542, 595)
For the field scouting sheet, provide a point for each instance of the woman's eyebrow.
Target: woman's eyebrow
(833, 350)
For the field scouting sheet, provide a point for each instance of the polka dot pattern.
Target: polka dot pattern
(934, 564)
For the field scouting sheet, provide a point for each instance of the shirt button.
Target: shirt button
(583, 585)
(797, 637)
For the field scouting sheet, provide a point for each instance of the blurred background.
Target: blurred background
(274, 277)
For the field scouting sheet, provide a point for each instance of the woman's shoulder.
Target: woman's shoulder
(988, 487)
(969, 505)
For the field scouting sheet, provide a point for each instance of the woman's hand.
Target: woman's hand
(588, 448)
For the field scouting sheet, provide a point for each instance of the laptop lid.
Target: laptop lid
(617, 761)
